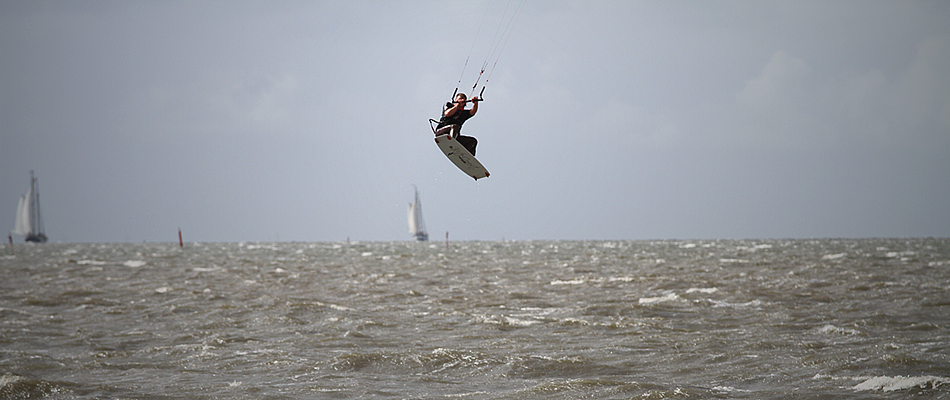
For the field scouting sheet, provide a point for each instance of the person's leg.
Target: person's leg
(451, 130)
(469, 143)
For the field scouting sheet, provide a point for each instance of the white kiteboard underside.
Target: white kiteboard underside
(461, 157)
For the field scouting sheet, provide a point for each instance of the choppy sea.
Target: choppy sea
(729, 319)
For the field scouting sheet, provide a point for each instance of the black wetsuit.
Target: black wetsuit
(454, 122)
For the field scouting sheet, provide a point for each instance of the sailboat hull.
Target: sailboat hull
(36, 238)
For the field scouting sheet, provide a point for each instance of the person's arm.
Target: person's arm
(475, 101)
(452, 110)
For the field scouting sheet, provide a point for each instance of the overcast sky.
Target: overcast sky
(307, 120)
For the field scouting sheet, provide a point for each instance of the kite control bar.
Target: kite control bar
(480, 98)
(470, 101)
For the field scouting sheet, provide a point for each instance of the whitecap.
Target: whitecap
(622, 279)
(732, 260)
(753, 303)
(834, 256)
(890, 384)
(654, 300)
(578, 281)
(8, 379)
(728, 389)
(512, 321)
(134, 263)
(895, 254)
(837, 330)
(334, 306)
(702, 290)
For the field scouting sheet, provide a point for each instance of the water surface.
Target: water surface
(807, 319)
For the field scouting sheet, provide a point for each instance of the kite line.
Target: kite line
(499, 41)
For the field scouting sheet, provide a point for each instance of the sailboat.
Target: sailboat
(28, 221)
(417, 226)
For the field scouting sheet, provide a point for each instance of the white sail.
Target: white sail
(24, 214)
(413, 226)
(417, 226)
(28, 221)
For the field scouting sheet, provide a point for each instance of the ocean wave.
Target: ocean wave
(581, 281)
(892, 383)
(607, 388)
(129, 263)
(14, 386)
(569, 282)
(753, 303)
(439, 360)
(660, 299)
(9, 379)
(834, 256)
(838, 330)
(91, 262)
(732, 261)
(506, 320)
(134, 263)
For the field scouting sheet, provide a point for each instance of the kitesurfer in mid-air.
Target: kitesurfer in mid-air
(453, 116)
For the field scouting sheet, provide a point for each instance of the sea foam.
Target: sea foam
(660, 299)
(889, 384)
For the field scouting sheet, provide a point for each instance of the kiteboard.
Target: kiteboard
(461, 157)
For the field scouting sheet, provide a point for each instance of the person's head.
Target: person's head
(460, 97)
